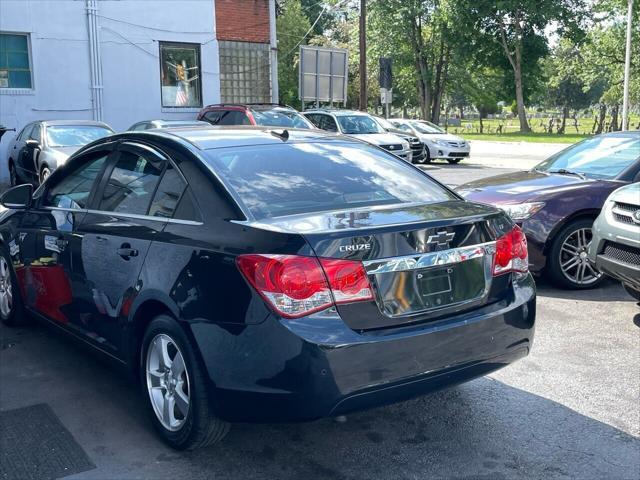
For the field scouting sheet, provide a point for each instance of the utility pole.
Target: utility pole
(627, 70)
(363, 55)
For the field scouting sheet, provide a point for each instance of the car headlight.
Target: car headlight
(522, 211)
(440, 143)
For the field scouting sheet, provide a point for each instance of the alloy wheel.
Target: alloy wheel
(574, 262)
(168, 382)
(6, 289)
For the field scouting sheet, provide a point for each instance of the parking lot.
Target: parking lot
(569, 410)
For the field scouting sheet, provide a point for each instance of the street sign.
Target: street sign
(386, 96)
(323, 74)
(386, 74)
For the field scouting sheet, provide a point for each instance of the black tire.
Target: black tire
(559, 256)
(200, 427)
(45, 171)
(425, 157)
(632, 291)
(453, 161)
(16, 316)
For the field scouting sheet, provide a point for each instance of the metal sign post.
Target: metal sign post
(386, 83)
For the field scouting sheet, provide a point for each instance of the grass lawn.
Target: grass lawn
(525, 137)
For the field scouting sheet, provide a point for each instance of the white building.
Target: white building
(121, 61)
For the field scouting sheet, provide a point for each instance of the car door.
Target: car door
(115, 236)
(47, 239)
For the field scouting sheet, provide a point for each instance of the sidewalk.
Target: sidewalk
(517, 155)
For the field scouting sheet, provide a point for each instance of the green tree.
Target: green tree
(519, 28)
(291, 25)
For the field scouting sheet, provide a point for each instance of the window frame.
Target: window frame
(198, 48)
(9, 89)
(78, 162)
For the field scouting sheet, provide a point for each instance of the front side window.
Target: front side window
(75, 136)
(180, 75)
(295, 178)
(597, 157)
(73, 190)
(358, 124)
(131, 184)
(15, 65)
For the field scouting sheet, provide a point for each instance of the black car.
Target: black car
(43, 146)
(418, 149)
(256, 275)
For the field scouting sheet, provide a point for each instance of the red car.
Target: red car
(262, 114)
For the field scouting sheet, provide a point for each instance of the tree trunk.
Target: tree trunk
(565, 114)
(522, 113)
(481, 124)
(601, 117)
(614, 118)
(575, 121)
(461, 113)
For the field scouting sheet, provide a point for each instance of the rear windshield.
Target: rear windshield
(76, 135)
(289, 179)
(280, 118)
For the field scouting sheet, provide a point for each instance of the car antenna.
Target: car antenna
(284, 135)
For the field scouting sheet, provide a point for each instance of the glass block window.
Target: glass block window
(180, 75)
(245, 73)
(15, 64)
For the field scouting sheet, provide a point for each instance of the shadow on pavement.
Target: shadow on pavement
(609, 291)
(483, 429)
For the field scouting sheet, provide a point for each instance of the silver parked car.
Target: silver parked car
(438, 143)
(359, 125)
(153, 124)
(43, 146)
(615, 248)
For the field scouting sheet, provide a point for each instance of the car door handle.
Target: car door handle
(126, 252)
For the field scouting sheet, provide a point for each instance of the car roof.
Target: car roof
(338, 112)
(48, 123)
(210, 137)
(175, 122)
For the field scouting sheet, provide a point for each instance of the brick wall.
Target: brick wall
(242, 20)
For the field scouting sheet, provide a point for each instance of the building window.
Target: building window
(15, 66)
(180, 75)
(245, 73)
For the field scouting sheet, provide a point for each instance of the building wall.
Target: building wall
(243, 20)
(130, 32)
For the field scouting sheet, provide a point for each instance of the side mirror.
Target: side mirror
(19, 197)
(31, 143)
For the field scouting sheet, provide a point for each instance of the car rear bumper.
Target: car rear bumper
(296, 370)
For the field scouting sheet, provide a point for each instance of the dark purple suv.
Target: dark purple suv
(557, 202)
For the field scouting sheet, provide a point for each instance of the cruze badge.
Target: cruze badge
(355, 248)
(636, 216)
(441, 238)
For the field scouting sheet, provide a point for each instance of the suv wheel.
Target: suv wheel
(175, 389)
(11, 311)
(632, 291)
(569, 265)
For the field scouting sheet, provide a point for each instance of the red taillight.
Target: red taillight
(511, 253)
(296, 286)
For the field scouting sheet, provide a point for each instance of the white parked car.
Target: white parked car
(359, 125)
(439, 143)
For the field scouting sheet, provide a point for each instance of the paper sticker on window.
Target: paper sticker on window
(4, 78)
(51, 243)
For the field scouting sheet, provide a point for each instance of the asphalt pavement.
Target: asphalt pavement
(569, 410)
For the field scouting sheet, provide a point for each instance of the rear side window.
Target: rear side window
(295, 178)
(74, 189)
(168, 194)
(227, 117)
(131, 185)
(326, 122)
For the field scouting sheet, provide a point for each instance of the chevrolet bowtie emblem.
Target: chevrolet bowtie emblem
(441, 238)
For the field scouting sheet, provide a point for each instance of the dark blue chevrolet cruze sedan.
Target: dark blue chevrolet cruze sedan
(255, 275)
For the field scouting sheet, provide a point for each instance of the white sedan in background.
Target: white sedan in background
(439, 143)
